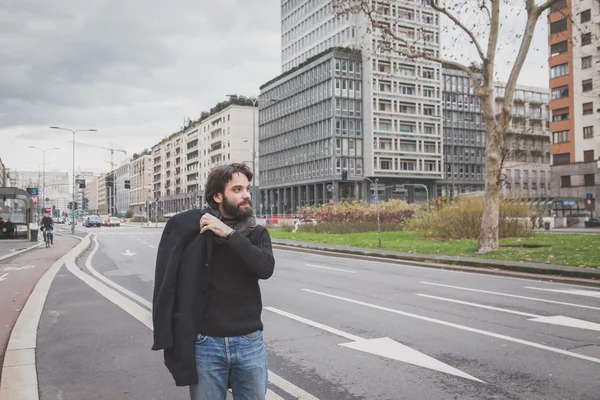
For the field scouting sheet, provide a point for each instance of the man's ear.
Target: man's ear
(218, 198)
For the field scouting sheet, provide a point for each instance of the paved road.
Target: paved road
(337, 328)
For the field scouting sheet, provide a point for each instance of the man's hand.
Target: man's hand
(212, 223)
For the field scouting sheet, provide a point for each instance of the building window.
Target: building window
(589, 180)
(559, 5)
(588, 156)
(559, 70)
(586, 62)
(561, 159)
(561, 114)
(586, 38)
(560, 92)
(565, 181)
(558, 26)
(559, 48)
(588, 108)
(560, 137)
(588, 132)
(586, 16)
(587, 85)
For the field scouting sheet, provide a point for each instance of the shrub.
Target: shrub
(461, 219)
(393, 211)
(287, 227)
(129, 214)
(349, 227)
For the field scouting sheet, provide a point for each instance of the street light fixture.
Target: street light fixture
(255, 102)
(44, 172)
(73, 131)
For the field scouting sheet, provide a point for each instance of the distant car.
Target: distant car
(113, 221)
(93, 221)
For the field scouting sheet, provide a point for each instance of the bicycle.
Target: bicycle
(48, 237)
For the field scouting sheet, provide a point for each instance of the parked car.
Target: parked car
(113, 221)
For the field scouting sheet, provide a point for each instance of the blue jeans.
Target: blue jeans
(241, 360)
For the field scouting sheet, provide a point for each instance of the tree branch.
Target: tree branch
(545, 6)
(447, 13)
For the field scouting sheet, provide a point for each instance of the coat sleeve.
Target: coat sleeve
(165, 286)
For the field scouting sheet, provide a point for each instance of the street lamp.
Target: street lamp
(73, 206)
(255, 102)
(44, 172)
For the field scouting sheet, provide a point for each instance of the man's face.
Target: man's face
(46, 215)
(236, 202)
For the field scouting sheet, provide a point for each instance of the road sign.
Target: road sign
(34, 199)
(589, 196)
(589, 202)
(32, 191)
(374, 197)
(261, 206)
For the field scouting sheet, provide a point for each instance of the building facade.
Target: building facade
(181, 162)
(402, 126)
(3, 175)
(312, 134)
(575, 106)
(122, 194)
(102, 195)
(527, 152)
(91, 194)
(141, 184)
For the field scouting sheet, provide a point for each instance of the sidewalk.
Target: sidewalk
(440, 261)
(11, 247)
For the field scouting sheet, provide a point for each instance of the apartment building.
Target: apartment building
(574, 83)
(141, 184)
(527, 161)
(181, 162)
(3, 175)
(402, 126)
(122, 193)
(313, 134)
(91, 194)
(102, 195)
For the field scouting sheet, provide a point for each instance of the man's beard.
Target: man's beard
(235, 211)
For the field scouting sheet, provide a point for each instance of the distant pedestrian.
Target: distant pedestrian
(207, 303)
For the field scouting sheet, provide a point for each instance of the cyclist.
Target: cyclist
(47, 225)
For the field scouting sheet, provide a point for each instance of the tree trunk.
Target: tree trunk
(488, 236)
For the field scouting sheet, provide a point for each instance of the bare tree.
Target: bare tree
(482, 73)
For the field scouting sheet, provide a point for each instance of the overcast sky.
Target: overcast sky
(133, 70)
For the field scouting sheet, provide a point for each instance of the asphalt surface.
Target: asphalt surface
(472, 336)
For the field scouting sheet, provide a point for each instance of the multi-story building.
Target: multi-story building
(141, 184)
(527, 158)
(102, 195)
(574, 82)
(402, 127)
(168, 180)
(312, 133)
(122, 194)
(91, 194)
(527, 149)
(3, 175)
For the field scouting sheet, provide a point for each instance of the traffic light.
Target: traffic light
(76, 205)
(70, 205)
(127, 184)
(344, 175)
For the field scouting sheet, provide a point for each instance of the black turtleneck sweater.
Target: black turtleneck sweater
(234, 301)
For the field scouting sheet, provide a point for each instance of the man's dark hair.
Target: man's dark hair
(219, 177)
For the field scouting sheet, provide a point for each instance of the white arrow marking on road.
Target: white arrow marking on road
(4, 277)
(128, 253)
(383, 347)
(458, 326)
(331, 268)
(589, 293)
(17, 268)
(555, 320)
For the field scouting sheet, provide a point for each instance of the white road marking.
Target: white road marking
(145, 316)
(466, 303)
(331, 268)
(128, 253)
(17, 268)
(589, 293)
(150, 246)
(4, 277)
(511, 295)
(555, 320)
(383, 347)
(88, 265)
(462, 327)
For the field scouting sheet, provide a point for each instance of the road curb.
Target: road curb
(16, 253)
(19, 372)
(467, 266)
